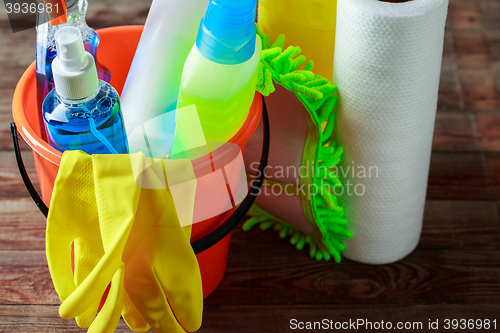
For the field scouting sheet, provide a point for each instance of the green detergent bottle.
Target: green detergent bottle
(220, 73)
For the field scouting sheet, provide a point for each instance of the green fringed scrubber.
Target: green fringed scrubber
(322, 210)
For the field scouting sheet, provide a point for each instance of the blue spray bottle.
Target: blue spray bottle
(46, 48)
(82, 112)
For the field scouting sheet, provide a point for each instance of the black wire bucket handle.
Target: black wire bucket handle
(209, 240)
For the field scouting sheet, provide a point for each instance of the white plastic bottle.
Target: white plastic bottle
(220, 73)
(153, 81)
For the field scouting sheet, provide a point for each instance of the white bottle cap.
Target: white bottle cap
(75, 74)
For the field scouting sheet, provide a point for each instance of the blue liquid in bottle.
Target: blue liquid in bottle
(44, 80)
(94, 126)
(46, 50)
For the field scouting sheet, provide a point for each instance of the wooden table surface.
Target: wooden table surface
(454, 272)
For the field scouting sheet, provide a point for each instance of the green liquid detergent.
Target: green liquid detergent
(220, 73)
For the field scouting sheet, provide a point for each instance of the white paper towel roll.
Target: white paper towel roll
(387, 68)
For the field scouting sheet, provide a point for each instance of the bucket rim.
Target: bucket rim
(52, 155)
(36, 143)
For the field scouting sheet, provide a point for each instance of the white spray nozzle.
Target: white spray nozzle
(70, 50)
(75, 74)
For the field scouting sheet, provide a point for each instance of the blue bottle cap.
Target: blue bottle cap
(227, 32)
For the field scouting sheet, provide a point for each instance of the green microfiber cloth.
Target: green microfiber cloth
(323, 210)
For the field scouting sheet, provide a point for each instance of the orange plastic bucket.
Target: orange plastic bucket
(116, 52)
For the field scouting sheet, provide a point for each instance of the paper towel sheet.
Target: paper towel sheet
(387, 67)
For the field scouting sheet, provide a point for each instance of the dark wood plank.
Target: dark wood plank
(270, 318)
(448, 225)
(490, 14)
(106, 13)
(263, 269)
(26, 285)
(493, 39)
(479, 89)
(464, 14)
(460, 225)
(22, 226)
(470, 49)
(24, 258)
(488, 131)
(495, 69)
(17, 55)
(39, 318)
(11, 183)
(450, 98)
(461, 176)
(469, 42)
(260, 318)
(493, 161)
(6, 137)
(454, 132)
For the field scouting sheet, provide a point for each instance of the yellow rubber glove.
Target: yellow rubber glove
(145, 249)
(74, 221)
(132, 316)
(156, 247)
